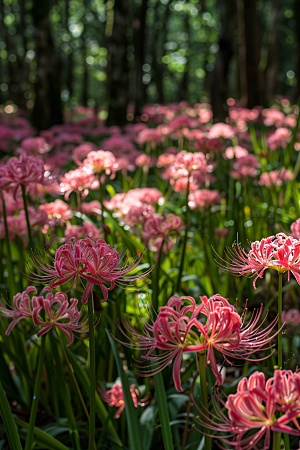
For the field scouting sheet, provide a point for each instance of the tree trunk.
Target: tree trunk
(219, 84)
(139, 38)
(271, 66)
(47, 110)
(118, 72)
(297, 32)
(254, 75)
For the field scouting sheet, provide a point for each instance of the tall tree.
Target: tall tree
(219, 81)
(47, 109)
(252, 35)
(139, 38)
(117, 68)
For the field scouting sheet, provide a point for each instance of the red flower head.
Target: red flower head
(95, 262)
(27, 171)
(280, 252)
(254, 407)
(158, 229)
(178, 329)
(101, 161)
(58, 312)
(175, 331)
(115, 397)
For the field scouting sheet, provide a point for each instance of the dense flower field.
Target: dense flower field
(150, 281)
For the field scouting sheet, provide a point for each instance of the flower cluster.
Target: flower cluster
(214, 325)
(46, 312)
(258, 407)
(280, 252)
(115, 397)
(95, 262)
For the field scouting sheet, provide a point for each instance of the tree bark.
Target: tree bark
(219, 84)
(47, 110)
(252, 35)
(118, 71)
(139, 38)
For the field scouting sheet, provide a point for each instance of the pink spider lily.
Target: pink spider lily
(95, 262)
(27, 171)
(115, 397)
(175, 331)
(252, 413)
(280, 252)
(226, 332)
(178, 329)
(58, 311)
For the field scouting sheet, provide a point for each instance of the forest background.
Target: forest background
(117, 56)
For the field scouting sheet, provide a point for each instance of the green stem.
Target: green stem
(202, 372)
(8, 422)
(27, 216)
(71, 372)
(156, 278)
(163, 410)
(36, 392)
(184, 239)
(92, 372)
(286, 441)
(280, 321)
(188, 410)
(11, 280)
(276, 441)
(102, 209)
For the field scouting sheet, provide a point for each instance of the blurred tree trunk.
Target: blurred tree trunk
(184, 83)
(297, 32)
(70, 60)
(159, 38)
(249, 53)
(219, 84)
(252, 34)
(117, 68)
(17, 72)
(139, 38)
(47, 110)
(270, 61)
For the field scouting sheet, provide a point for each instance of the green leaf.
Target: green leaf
(163, 411)
(83, 380)
(8, 422)
(43, 438)
(131, 412)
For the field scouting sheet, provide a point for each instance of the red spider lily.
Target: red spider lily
(115, 397)
(178, 329)
(279, 252)
(27, 171)
(175, 331)
(225, 332)
(59, 312)
(251, 408)
(95, 262)
(285, 388)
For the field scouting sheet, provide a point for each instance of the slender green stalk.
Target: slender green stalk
(184, 239)
(156, 274)
(11, 280)
(102, 209)
(27, 216)
(286, 441)
(162, 403)
(276, 441)
(36, 392)
(188, 410)
(280, 320)
(204, 398)
(8, 422)
(71, 372)
(92, 372)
